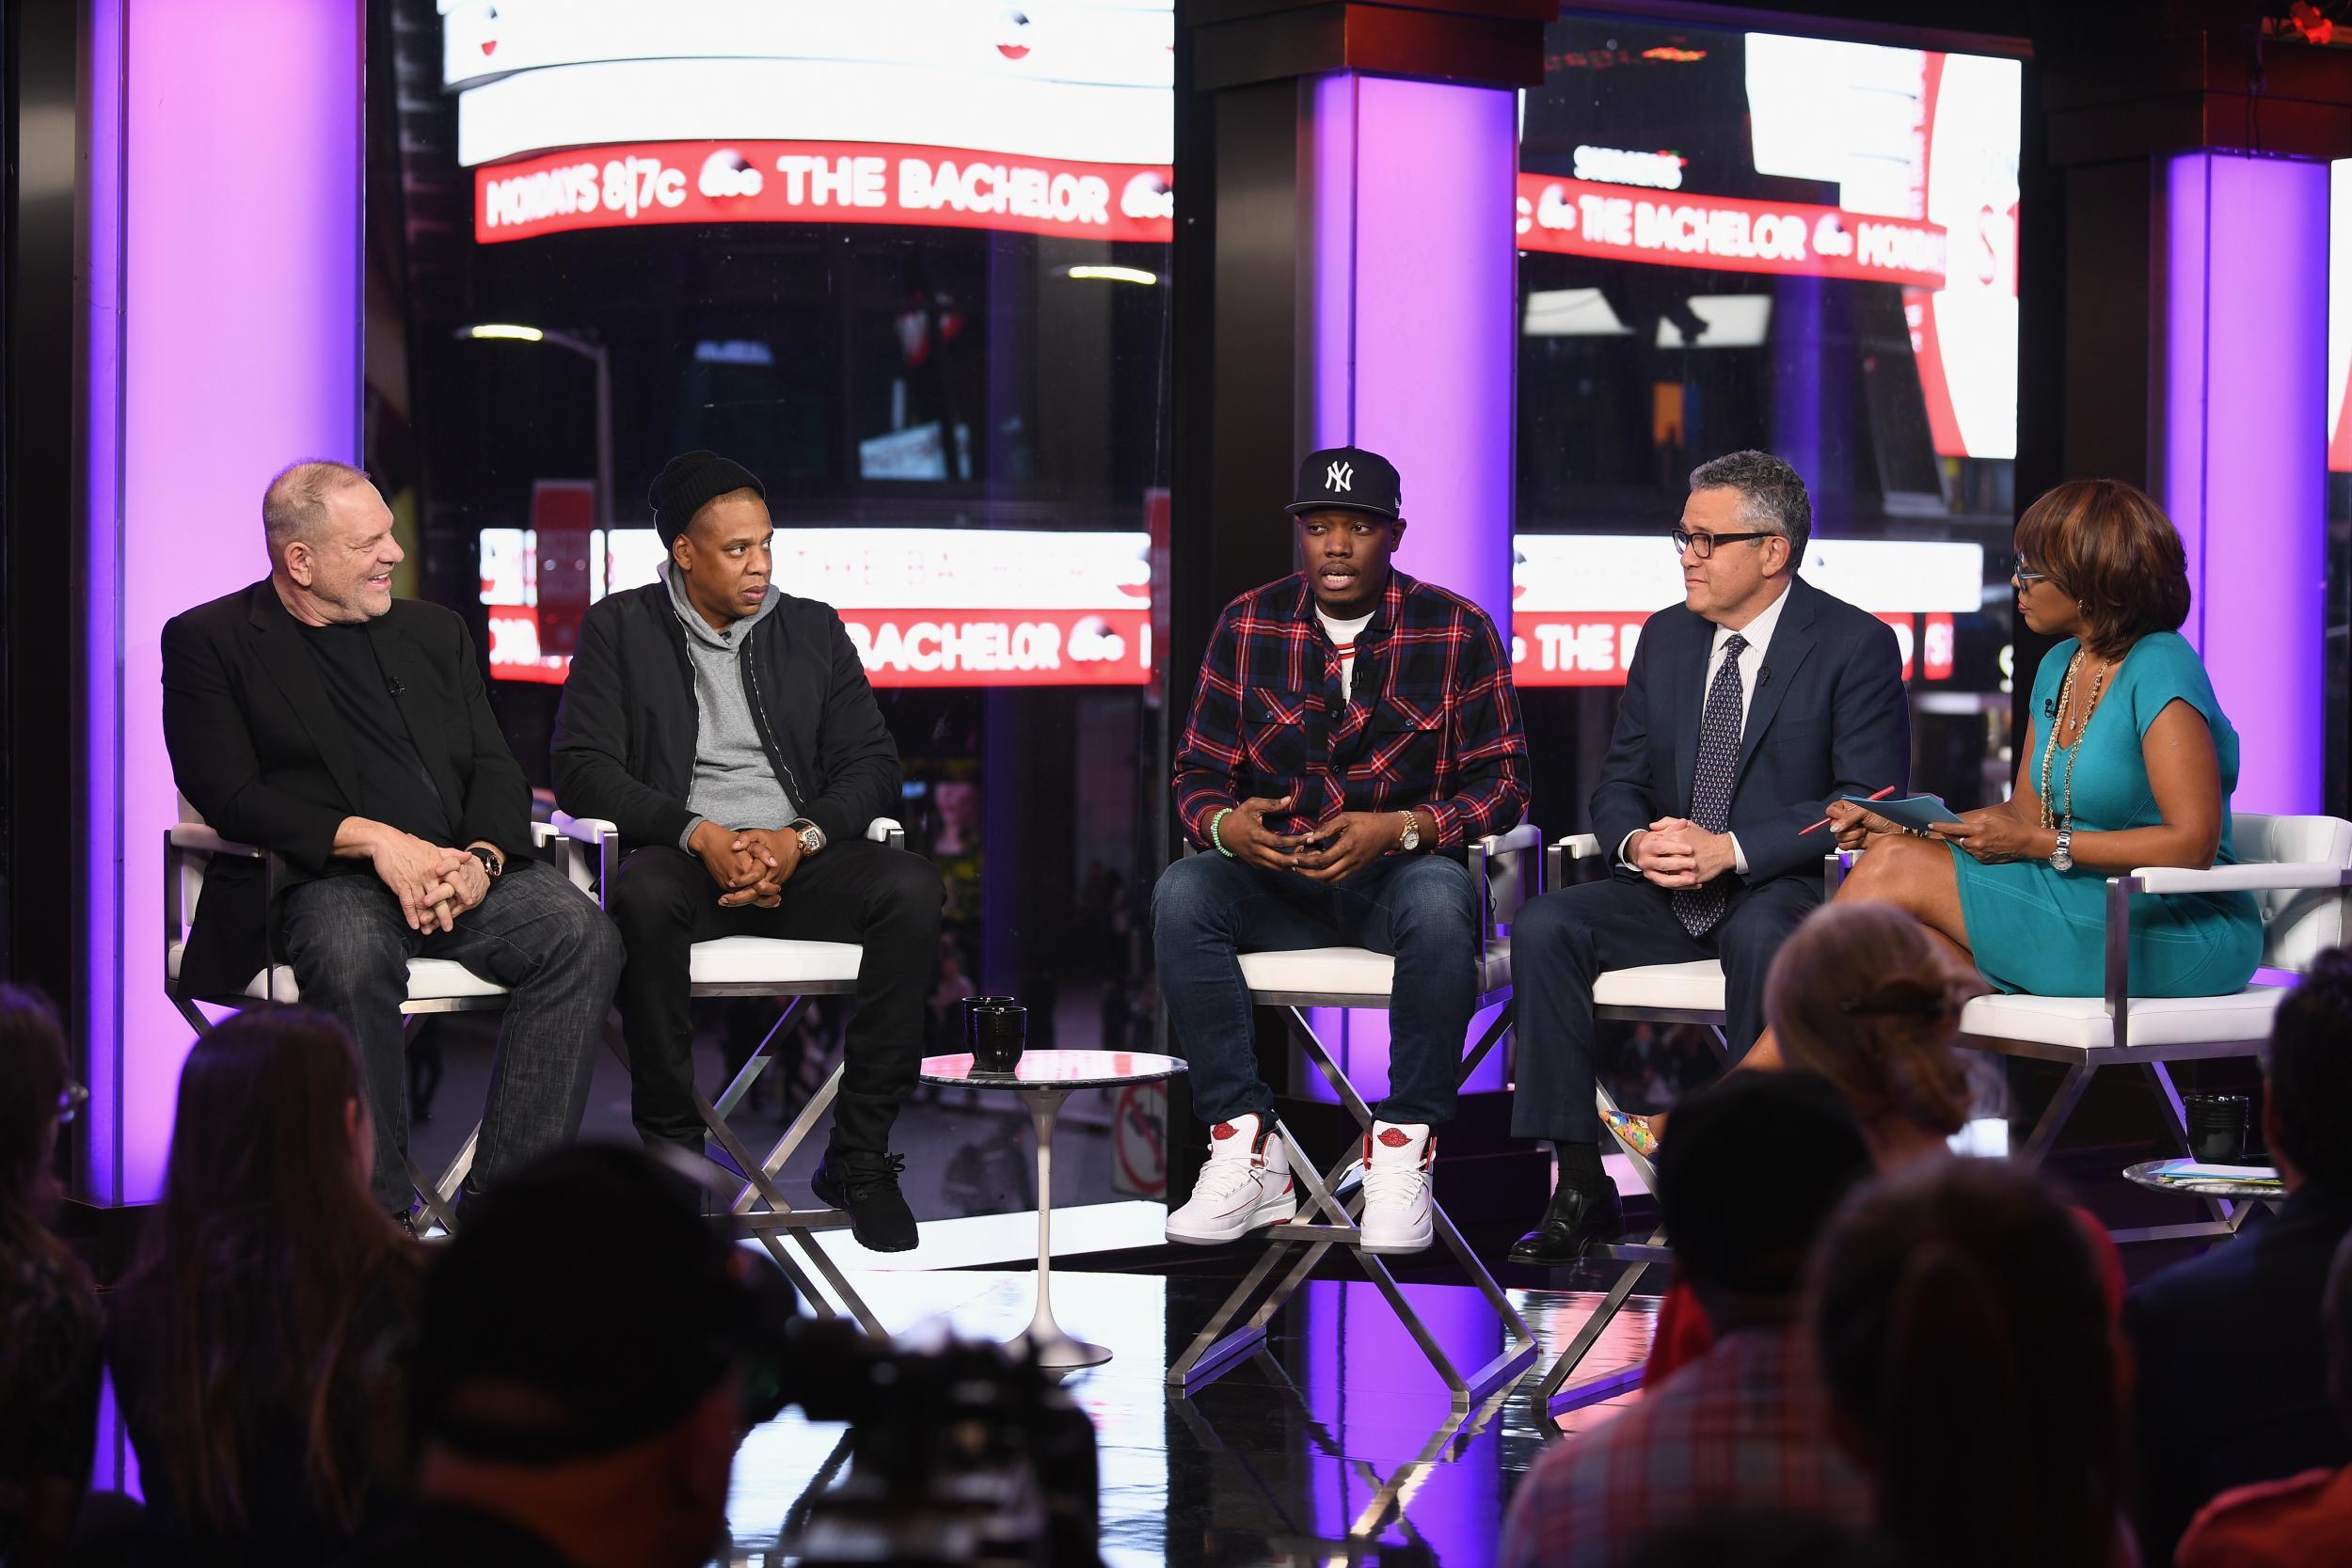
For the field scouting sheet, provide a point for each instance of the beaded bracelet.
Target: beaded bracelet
(1215, 837)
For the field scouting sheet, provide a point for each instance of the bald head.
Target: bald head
(331, 549)
(295, 505)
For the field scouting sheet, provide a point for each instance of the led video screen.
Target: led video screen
(1051, 118)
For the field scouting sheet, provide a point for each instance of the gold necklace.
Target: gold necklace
(2065, 711)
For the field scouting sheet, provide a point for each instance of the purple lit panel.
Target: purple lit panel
(1414, 330)
(239, 215)
(101, 675)
(2245, 458)
(1412, 307)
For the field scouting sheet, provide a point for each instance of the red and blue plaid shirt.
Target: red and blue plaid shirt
(1744, 1428)
(1433, 720)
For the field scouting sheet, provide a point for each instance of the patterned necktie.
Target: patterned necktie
(1699, 907)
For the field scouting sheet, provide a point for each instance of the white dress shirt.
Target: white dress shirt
(1759, 633)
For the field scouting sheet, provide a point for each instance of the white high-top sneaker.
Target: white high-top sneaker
(1247, 1184)
(1397, 1199)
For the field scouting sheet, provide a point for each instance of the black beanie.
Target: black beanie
(690, 481)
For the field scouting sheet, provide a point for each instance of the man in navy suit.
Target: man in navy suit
(1746, 706)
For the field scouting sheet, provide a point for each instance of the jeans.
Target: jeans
(1559, 944)
(1421, 909)
(534, 933)
(886, 899)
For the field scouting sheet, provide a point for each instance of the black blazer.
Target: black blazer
(2231, 1382)
(624, 732)
(1829, 716)
(258, 748)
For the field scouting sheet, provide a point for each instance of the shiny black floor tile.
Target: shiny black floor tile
(1334, 1442)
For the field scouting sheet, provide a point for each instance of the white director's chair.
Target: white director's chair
(790, 972)
(2298, 868)
(1507, 870)
(435, 985)
(1689, 992)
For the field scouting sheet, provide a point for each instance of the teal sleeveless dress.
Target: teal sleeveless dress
(2044, 932)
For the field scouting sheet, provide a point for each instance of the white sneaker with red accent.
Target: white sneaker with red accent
(1247, 1184)
(1397, 1200)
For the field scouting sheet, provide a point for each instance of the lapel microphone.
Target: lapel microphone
(1764, 678)
(392, 686)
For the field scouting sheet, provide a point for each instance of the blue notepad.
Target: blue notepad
(1909, 811)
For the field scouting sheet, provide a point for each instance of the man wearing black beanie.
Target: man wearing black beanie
(730, 731)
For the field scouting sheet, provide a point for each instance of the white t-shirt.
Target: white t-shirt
(1343, 635)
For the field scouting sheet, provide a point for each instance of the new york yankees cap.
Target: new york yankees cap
(1348, 477)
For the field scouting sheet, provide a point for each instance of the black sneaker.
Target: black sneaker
(865, 1187)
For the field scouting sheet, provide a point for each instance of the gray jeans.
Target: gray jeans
(535, 934)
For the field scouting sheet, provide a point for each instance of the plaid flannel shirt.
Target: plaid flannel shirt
(1433, 720)
(1744, 1428)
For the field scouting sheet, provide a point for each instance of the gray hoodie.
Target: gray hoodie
(735, 783)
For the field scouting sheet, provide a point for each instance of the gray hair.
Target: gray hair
(1771, 495)
(295, 504)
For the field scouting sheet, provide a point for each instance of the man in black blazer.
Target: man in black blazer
(730, 731)
(1745, 707)
(316, 717)
(2231, 1386)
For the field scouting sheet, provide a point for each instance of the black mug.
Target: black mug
(2217, 1127)
(995, 1028)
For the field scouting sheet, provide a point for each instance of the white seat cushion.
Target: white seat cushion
(2081, 1023)
(1353, 971)
(771, 961)
(429, 980)
(1696, 987)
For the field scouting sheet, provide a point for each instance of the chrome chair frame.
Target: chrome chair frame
(1636, 1257)
(183, 842)
(778, 1219)
(1219, 1347)
(1982, 1029)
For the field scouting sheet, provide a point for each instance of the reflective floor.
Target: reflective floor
(1334, 1443)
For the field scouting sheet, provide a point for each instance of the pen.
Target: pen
(1824, 821)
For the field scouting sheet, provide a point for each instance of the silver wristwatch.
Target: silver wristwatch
(812, 836)
(1409, 840)
(2062, 858)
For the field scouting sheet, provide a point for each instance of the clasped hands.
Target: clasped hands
(1335, 850)
(1676, 852)
(433, 882)
(751, 863)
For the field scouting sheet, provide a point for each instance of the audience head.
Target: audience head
(2109, 564)
(266, 1243)
(1743, 493)
(590, 1349)
(35, 1083)
(1860, 994)
(330, 541)
(1965, 1343)
(2307, 1108)
(1757, 1163)
(2338, 1316)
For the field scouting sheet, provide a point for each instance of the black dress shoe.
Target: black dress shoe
(865, 1187)
(1574, 1220)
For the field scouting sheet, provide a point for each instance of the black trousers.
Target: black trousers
(1562, 943)
(886, 899)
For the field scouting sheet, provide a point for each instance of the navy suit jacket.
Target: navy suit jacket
(1829, 716)
(2231, 1384)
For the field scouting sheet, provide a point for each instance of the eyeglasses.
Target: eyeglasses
(2024, 578)
(1702, 545)
(71, 1100)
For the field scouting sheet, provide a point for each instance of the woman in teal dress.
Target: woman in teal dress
(2128, 761)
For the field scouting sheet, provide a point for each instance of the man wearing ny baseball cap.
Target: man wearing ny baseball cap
(1352, 730)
